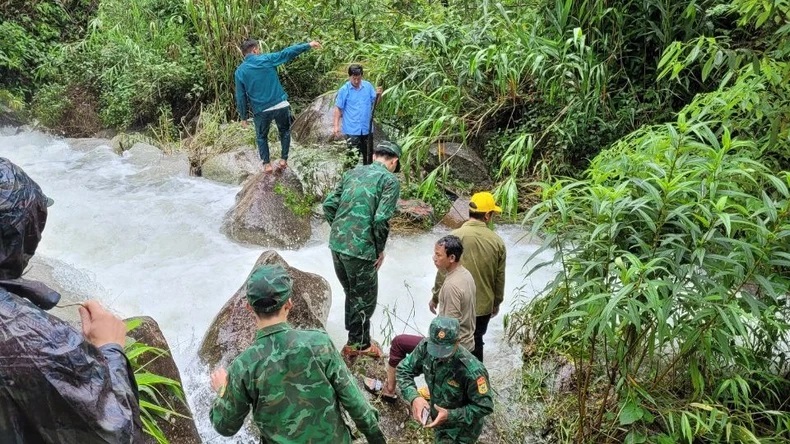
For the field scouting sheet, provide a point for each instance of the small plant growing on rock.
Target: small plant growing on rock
(153, 406)
(300, 205)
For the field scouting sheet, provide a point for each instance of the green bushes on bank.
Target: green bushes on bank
(672, 296)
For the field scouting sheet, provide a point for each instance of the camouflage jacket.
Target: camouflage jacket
(359, 211)
(458, 383)
(295, 382)
(56, 387)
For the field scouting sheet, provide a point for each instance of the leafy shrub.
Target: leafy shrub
(672, 297)
(213, 136)
(67, 109)
(135, 57)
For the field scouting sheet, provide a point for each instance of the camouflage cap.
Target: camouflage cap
(443, 336)
(268, 288)
(390, 148)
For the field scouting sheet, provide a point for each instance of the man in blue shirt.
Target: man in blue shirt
(257, 82)
(354, 106)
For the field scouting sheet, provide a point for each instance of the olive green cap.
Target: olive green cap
(391, 148)
(443, 336)
(268, 287)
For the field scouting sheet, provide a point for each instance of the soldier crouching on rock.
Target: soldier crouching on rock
(457, 381)
(293, 380)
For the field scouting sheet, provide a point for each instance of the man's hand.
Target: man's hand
(244, 124)
(379, 90)
(432, 306)
(441, 417)
(495, 311)
(379, 261)
(417, 405)
(315, 44)
(219, 378)
(337, 133)
(101, 327)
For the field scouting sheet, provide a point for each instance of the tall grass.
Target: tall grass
(220, 27)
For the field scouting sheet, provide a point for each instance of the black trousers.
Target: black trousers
(358, 146)
(481, 326)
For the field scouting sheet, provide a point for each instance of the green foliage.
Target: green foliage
(135, 57)
(154, 407)
(50, 104)
(672, 298)
(11, 101)
(29, 32)
(213, 136)
(673, 289)
(299, 204)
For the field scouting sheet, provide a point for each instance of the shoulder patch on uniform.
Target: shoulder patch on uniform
(482, 385)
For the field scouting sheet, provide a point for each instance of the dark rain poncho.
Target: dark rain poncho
(55, 387)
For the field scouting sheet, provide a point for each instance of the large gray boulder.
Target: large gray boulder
(465, 164)
(263, 212)
(458, 213)
(319, 168)
(315, 125)
(176, 428)
(233, 330)
(233, 167)
(74, 286)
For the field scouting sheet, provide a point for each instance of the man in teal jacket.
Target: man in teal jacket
(258, 83)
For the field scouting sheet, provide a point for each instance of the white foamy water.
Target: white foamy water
(145, 231)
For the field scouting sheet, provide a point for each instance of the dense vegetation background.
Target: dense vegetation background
(654, 134)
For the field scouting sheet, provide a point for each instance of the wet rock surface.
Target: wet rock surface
(233, 330)
(465, 164)
(262, 216)
(177, 428)
(232, 168)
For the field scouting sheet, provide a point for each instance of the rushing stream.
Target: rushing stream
(148, 235)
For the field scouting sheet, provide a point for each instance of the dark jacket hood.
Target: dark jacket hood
(23, 214)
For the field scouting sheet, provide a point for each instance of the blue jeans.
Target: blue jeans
(263, 120)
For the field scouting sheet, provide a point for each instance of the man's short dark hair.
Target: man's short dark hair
(262, 311)
(452, 246)
(477, 215)
(248, 45)
(355, 70)
(385, 154)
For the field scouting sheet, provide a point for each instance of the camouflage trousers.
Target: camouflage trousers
(359, 279)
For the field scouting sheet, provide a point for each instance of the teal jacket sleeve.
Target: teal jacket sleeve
(362, 413)
(286, 55)
(480, 405)
(241, 98)
(407, 370)
(229, 410)
(384, 211)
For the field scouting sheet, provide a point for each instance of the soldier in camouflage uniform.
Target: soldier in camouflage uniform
(358, 212)
(458, 382)
(293, 380)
